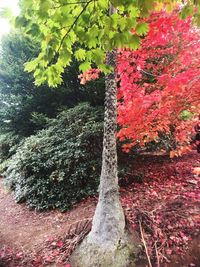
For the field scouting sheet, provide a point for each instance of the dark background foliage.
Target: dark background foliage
(21, 99)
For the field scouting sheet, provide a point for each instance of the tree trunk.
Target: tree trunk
(108, 222)
(108, 244)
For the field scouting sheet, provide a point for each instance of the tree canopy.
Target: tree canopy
(60, 25)
(159, 83)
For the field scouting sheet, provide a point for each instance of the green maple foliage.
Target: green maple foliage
(60, 25)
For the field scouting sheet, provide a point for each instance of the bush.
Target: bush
(61, 164)
(9, 142)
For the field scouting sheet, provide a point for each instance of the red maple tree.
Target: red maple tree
(159, 88)
(159, 91)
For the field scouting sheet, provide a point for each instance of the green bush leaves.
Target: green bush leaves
(61, 164)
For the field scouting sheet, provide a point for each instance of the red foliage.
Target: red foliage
(159, 81)
(89, 75)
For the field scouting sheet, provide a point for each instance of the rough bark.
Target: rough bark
(108, 244)
(109, 223)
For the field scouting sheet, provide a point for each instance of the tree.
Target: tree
(100, 28)
(15, 86)
(159, 83)
(23, 104)
(20, 98)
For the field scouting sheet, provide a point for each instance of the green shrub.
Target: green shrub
(9, 142)
(61, 164)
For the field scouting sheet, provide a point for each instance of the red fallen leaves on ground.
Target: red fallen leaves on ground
(167, 207)
(164, 201)
(60, 244)
(52, 254)
(10, 257)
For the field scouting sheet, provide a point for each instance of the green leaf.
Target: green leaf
(134, 42)
(133, 12)
(98, 56)
(92, 42)
(131, 23)
(45, 5)
(34, 30)
(27, 4)
(106, 69)
(80, 54)
(115, 20)
(85, 66)
(122, 23)
(86, 17)
(103, 4)
(30, 66)
(118, 40)
(142, 28)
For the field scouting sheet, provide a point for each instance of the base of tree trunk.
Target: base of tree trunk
(122, 254)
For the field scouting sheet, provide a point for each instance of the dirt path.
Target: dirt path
(27, 229)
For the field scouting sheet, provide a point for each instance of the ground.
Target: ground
(160, 197)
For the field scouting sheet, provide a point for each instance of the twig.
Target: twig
(164, 257)
(157, 256)
(144, 243)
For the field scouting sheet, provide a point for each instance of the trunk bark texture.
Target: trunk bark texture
(108, 244)
(108, 222)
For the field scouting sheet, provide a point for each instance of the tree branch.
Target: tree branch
(71, 27)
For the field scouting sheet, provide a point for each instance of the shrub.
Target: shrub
(9, 142)
(61, 164)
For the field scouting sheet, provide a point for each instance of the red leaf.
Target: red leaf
(60, 244)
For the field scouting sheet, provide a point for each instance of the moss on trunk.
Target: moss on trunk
(122, 254)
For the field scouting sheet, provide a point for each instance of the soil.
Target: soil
(27, 232)
(27, 229)
(32, 238)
